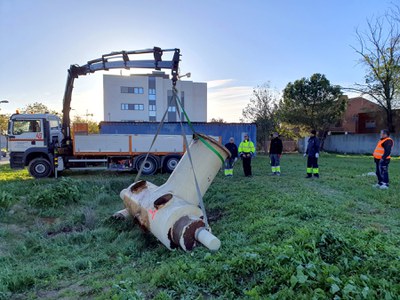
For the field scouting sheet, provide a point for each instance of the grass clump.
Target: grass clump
(60, 193)
(6, 199)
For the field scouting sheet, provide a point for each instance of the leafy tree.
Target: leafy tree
(262, 110)
(312, 102)
(93, 127)
(3, 123)
(293, 132)
(379, 48)
(38, 108)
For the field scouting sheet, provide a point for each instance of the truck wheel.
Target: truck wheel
(150, 166)
(170, 162)
(40, 168)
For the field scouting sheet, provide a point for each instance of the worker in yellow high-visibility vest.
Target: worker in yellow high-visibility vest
(382, 159)
(246, 152)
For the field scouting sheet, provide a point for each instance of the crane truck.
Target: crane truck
(47, 145)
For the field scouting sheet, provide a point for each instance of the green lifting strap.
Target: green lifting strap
(208, 145)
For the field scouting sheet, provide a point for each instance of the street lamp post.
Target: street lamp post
(1, 154)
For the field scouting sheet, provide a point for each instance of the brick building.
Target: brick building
(363, 116)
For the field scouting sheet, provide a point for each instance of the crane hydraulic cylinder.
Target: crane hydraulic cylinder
(171, 211)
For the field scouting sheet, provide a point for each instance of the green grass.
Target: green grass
(282, 237)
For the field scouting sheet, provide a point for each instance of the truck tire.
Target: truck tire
(150, 167)
(40, 168)
(170, 162)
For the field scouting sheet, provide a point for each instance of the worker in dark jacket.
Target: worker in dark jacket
(382, 159)
(312, 154)
(275, 153)
(229, 162)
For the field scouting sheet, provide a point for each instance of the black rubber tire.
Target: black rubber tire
(150, 167)
(40, 168)
(170, 162)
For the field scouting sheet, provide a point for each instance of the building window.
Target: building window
(152, 113)
(152, 119)
(152, 108)
(171, 108)
(131, 90)
(127, 106)
(152, 94)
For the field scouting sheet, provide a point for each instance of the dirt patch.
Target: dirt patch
(49, 220)
(66, 292)
(214, 214)
(64, 230)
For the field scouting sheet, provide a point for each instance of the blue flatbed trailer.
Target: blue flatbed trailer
(224, 130)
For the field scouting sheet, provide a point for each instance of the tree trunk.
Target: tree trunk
(389, 121)
(323, 137)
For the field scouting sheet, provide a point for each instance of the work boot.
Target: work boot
(316, 175)
(308, 176)
(384, 186)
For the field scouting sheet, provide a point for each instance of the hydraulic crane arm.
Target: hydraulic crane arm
(116, 60)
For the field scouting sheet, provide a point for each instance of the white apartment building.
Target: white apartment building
(147, 97)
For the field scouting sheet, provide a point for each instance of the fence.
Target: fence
(353, 143)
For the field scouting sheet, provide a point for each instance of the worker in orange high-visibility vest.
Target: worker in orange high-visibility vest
(382, 159)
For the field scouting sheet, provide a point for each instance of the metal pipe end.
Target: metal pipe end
(207, 239)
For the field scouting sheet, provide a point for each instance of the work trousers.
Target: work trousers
(229, 166)
(312, 166)
(275, 163)
(247, 165)
(382, 170)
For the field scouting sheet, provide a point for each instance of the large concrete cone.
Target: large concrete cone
(171, 211)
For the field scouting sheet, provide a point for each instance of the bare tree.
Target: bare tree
(379, 48)
(262, 110)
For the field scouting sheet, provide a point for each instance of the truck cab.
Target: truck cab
(32, 140)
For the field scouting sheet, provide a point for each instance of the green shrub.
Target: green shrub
(64, 192)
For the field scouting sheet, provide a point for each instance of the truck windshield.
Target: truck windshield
(23, 126)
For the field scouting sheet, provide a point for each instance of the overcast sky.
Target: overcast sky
(232, 45)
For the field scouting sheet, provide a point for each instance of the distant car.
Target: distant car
(3, 153)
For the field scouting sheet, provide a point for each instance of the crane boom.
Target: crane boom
(115, 60)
